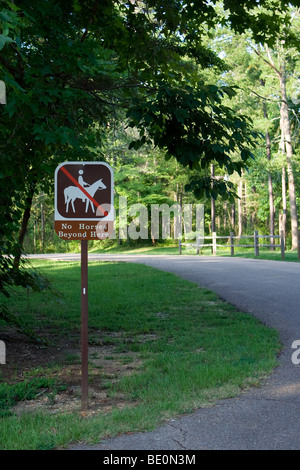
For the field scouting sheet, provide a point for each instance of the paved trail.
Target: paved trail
(265, 418)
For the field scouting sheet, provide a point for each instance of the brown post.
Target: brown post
(84, 324)
(256, 247)
(97, 175)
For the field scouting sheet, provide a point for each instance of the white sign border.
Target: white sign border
(108, 218)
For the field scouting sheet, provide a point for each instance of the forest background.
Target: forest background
(266, 77)
(194, 102)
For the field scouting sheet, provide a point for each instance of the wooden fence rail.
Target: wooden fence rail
(255, 244)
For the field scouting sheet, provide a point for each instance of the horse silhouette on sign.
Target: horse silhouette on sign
(72, 193)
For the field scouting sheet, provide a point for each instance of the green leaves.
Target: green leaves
(4, 39)
(263, 18)
(69, 66)
(194, 127)
(8, 21)
(205, 187)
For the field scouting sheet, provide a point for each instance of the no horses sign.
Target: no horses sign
(84, 211)
(84, 200)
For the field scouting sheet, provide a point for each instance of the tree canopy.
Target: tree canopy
(70, 65)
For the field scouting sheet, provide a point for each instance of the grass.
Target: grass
(191, 349)
(264, 253)
(135, 249)
(28, 389)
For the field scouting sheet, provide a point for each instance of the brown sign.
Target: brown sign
(84, 200)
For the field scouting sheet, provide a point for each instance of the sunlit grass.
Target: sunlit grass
(160, 249)
(195, 348)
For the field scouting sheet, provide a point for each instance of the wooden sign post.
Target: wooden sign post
(84, 211)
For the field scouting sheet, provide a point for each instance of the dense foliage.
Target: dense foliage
(71, 67)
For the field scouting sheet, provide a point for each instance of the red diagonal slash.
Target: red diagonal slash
(105, 213)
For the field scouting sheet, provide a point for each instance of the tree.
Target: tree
(270, 182)
(69, 64)
(279, 67)
(252, 73)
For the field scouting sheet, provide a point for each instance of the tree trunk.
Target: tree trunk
(283, 186)
(42, 227)
(245, 208)
(34, 236)
(270, 183)
(233, 217)
(24, 224)
(240, 208)
(225, 216)
(213, 205)
(284, 205)
(285, 123)
(272, 211)
(285, 135)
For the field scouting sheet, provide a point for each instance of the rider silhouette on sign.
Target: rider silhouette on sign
(81, 181)
(72, 193)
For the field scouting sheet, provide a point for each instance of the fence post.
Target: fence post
(282, 244)
(197, 242)
(214, 243)
(256, 247)
(231, 244)
(179, 246)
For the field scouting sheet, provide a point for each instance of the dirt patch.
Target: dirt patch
(63, 362)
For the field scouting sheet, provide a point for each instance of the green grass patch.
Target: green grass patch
(264, 253)
(27, 389)
(191, 349)
(159, 249)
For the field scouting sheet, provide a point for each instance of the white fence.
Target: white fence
(230, 244)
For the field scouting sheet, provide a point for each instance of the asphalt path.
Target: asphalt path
(264, 418)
